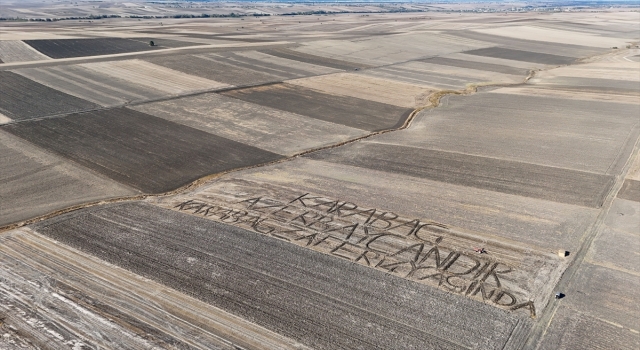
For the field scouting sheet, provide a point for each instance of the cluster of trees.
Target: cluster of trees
(58, 18)
(322, 12)
(204, 15)
(319, 12)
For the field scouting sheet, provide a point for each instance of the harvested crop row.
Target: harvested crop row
(368, 88)
(210, 67)
(91, 85)
(322, 301)
(47, 285)
(153, 76)
(349, 111)
(22, 98)
(35, 182)
(18, 51)
(522, 179)
(267, 128)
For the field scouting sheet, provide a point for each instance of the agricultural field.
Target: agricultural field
(137, 72)
(214, 69)
(349, 111)
(519, 55)
(83, 301)
(442, 77)
(283, 68)
(91, 85)
(23, 99)
(267, 128)
(18, 51)
(35, 182)
(522, 179)
(412, 180)
(65, 48)
(389, 49)
(368, 88)
(139, 150)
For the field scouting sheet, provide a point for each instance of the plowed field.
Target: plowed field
(64, 48)
(349, 111)
(148, 153)
(21, 98)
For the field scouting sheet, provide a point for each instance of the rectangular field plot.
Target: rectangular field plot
(35, 182)
(209, 67)
(267, 64)
(536, 45)
(22, 98)
(630, 190)
(607, 293)
(617, 248)
(313, 59)
(593, 85)
(389, 49)
(65, 48)
(267, 128)
(527, 66)
(520, 55)
(575, 329)
(18, 51)
(567, 93)
(352, 112)
(319, 300)
(142, 151)
(91, 85)
(443, 76)
(368, 88)
(377, 238)
(165, 42)
(511, 219)
(590, 136)
(565, 37)
(489, 67)
(298, 67)
(139, 72)
(608, 70)
(53, 294)
(4, 119)
(523, 179)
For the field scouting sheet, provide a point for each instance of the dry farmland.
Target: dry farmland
(373, 180)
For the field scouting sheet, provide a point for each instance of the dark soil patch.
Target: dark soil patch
(313, 59)
(242, 62)
(349, 111)
(148, 153)
(213, 69)
(529, 180)
(519, 55)
(65, 48)
(476, 65)
(22, 98)
(630, 190)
